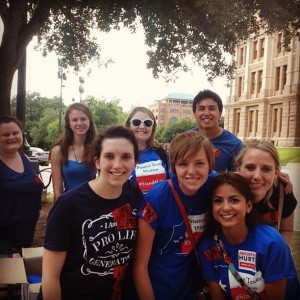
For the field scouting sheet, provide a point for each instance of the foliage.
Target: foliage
(165, 134)
(42, 117)
(221, 122)
(174, 29)
(105, 112)
(289, 155)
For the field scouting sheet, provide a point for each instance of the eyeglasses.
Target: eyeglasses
(137, 122)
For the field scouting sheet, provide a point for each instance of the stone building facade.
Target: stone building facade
(264, 100)
(172, 108)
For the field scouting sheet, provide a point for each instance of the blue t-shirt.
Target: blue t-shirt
(262, 258)
(172, 265)
(20, 203)
(227, 146)
(75, 174)
(149, 170)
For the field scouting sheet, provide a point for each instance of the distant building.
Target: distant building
(172, 108)
(264, 99)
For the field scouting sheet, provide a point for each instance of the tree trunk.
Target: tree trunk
(6, 77)
(17, 34)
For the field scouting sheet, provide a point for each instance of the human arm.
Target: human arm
(141, 258)
(285, 178)
(56, 166)
(215, 291)
(52, 264)
(286, 228)
(275, 290)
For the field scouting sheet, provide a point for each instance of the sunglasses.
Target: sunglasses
(146, 123)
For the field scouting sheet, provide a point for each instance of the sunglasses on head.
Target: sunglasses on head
(137, 122)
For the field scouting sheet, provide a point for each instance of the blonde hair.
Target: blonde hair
(151, 142)
(265, 146)
(188, 143)
(262, 145)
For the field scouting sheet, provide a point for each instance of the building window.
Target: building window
(280, 77)
(277, 78)
(284, 75)
(279, 42)
(276, 120)
(173, 119)
(252, 121)
(261, 48)
(237, 114)
(240, 86)
(241, 60)
(253, 83)
(254, 50)
(259, 80)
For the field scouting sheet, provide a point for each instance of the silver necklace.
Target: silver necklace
(75, 155)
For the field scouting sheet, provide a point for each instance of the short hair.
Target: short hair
(188, 143)
(262, 145)
(208, 94)
(10, 119)
(151, 142)
(115, 132)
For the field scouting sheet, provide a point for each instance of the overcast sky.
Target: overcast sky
(127, 78)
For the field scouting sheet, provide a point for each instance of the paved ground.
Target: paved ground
(293, 169)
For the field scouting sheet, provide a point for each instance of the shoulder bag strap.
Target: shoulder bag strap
(280, 204)
(232, 268)
(186, 221)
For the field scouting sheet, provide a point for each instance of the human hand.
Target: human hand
(285, 178)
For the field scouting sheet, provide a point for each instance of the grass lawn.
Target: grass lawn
(295, 248)
(289, 155)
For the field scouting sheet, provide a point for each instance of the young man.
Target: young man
(207, 109)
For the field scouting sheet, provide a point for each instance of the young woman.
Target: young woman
(241, 258)
(91, 230)
(72, 157)
(20, 189)
(153, 165)
(259, 163)
(165, 263)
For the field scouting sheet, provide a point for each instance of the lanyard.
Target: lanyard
(232, 268)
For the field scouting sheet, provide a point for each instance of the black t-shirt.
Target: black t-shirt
(98, 235)
(270, 214)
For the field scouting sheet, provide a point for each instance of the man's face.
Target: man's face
(207, 114)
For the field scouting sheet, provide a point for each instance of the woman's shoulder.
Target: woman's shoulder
(265, 232)
(56, 149)
(158, 191)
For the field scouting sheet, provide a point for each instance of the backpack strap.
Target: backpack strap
(164, 158)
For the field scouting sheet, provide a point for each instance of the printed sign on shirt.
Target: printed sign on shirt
(149, 173)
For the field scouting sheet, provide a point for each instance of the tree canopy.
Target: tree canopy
(42, 120)
(173, 29)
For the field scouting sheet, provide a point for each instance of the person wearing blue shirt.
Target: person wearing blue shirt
(153, 163)
(207, 109)
(241, 257)
(72, 156)
(165, 264)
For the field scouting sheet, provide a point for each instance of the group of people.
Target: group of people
(117, 231)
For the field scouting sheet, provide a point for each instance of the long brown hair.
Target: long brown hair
(67, 136)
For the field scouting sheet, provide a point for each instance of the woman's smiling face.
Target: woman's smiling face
(230, 207)
(116, 161)
(259, 169)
